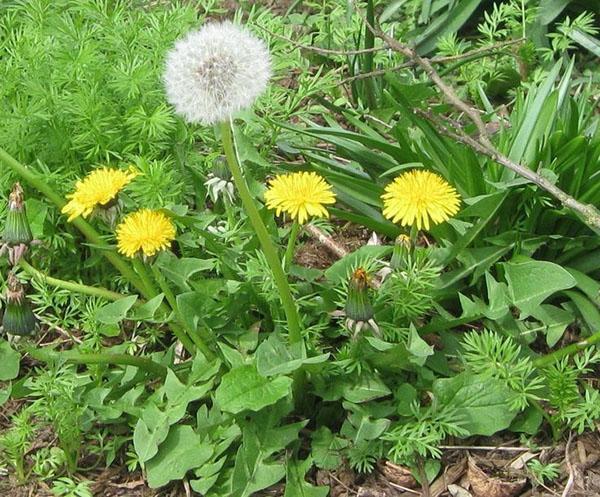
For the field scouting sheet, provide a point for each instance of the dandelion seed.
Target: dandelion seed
(144, 231)
(419, 198)
(300, 195)
(97, 189)
(215, 72)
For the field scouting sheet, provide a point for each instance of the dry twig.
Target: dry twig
(492, 49)
(571, 479)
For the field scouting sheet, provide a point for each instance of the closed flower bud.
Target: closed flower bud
(16, 229)
(18, 317)
(402, 250)
(219, 183)
(17, 235)
(359, 311)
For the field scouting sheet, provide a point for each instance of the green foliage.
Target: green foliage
(543, 473)
(82, 87)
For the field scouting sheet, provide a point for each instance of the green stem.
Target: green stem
(74, 357)
(555, 356)
(289, 253)
(84, 227)
(285, 294)
(172, 300)
(140, 269)
(176, 328)
(69, 285)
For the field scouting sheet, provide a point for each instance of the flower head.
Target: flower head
(216, 71)
(419, 198)
(359, 311)
(300, 195)
(97, 189)
(146, 231)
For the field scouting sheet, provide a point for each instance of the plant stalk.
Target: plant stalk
(555, 356)
(289, 253)
(172, 300)
(285, 294)
(38, 275)
(74, 357)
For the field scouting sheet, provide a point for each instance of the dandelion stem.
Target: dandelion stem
(74, 357)
(268, 248)
(84, 227)
(289, 253)
(69, 285)
(177, 329)
(172, 300)
(551, 358)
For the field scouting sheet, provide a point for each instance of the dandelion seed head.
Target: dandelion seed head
(215, 72)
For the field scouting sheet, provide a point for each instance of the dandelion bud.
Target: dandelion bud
(359, 311)
(18, 317)
(402, 250)
(215, 72)
(219, 183)
(17, 235)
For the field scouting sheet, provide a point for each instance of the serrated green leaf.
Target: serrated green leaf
(243, 388)
(181, 451)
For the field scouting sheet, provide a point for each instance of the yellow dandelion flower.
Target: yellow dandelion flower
(98, 188)
(147, 231)
(419, 198)
(300, 195)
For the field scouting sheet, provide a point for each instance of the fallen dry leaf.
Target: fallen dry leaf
(483, 485)
(457, 491)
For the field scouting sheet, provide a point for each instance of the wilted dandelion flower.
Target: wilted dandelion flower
(419, 198)
(300, 195)
(216, 71)
(147, 231)
(97, 189)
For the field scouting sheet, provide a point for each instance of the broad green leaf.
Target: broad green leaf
(531, 282)
(366, 387)
(146, 441)
(5, 394)
(243, 388)
(274, 357)
(419, 349)
(296, 484)
(551, 9)
(148, 309)
(115, 312)
(180, 271)
(9, 361)
(588, 310)
(251, 472)
(181, 451)
(585, 40)
(326, 448)
(555, 320)
(481, 403)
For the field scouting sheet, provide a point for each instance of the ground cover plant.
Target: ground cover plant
(299, 248)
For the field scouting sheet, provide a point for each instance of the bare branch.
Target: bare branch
(483, 51)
